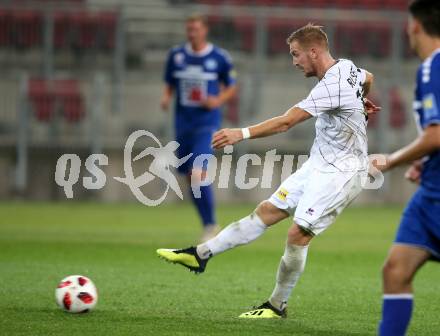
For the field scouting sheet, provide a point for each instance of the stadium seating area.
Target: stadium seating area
(351, 38)
(364, 4)
(47, 97)
(23, 28)
(83, 29)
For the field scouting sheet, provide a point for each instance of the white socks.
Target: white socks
(238, 233)
(243, 232)
(291, 267)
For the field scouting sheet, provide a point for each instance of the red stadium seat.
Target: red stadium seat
(363, 39)
(47, 95)
(41, 99)
(351, 39)
(267, 3)
(83, 29)
(347, 3)
(27, 28)
(69, 96)
(379, 39)
(245, 26)
(106, 29)
(61, 29)
(395, 4)
(318, 3)
(368, 4)
(279, 30)
(5, 27)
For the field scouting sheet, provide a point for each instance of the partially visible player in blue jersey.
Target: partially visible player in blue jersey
(201, 77)
(418, 237)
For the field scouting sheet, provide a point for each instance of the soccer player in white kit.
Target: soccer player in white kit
(316, 193)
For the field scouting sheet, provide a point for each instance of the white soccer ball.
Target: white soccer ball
(76, 294)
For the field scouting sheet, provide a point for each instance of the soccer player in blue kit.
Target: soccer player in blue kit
(418, 237)
(202, 78)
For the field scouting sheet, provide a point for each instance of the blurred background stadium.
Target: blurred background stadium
(80, 76)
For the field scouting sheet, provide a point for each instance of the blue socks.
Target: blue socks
(205, 205)
(396, 314)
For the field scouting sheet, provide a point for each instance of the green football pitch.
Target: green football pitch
(338, 294)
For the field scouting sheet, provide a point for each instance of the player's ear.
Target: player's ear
(415, 26)
(313, 53)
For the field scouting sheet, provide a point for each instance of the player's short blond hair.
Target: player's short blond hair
(197, 17)
(308, 35)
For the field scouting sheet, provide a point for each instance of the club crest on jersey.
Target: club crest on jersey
(179, 59)
(211, 64)
(282, 194)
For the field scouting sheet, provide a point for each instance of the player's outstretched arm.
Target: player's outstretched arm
(230, 136)
(426, 143)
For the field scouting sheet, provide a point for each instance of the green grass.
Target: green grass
(339, 293)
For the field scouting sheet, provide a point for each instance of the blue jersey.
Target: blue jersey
(427, 107)
(194, 77)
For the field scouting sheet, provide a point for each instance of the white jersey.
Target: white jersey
(341, 126)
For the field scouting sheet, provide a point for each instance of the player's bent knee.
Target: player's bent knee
(269, 213)
(394, 273)
(298, 236)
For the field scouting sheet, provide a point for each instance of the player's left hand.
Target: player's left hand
(370, 107)
(225, 137)
(212, 102)
(381, 162)
(414, 172)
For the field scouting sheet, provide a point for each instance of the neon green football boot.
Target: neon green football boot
(266, 311)
(186, 257)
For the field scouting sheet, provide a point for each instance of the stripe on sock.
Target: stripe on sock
(408, 296)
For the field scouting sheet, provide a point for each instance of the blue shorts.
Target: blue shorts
(420, 224)
(196, 143)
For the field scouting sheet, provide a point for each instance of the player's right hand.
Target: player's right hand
(370, 107)
(165, 103)
(414, 172)
(225, 137)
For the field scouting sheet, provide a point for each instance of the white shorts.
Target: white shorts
(317, 196)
